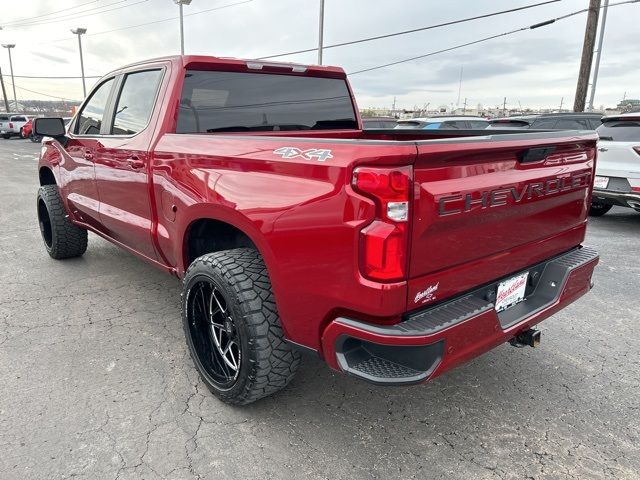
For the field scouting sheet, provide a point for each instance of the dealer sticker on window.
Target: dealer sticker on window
(511, 291)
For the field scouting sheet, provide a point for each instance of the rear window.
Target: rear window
(4, 117)
(572, 124)
(620, 131)
(237, 102)
(18, 119)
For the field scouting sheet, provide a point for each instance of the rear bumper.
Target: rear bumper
(622, 199)
(430, 341)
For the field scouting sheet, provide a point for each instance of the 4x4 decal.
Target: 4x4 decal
(319, 154)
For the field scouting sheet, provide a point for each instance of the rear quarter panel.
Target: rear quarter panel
(300, 212)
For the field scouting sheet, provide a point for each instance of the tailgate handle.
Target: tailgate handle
(535, 154)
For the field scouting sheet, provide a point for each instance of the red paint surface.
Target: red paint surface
(306, 219)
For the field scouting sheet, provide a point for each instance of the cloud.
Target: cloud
(536, 67)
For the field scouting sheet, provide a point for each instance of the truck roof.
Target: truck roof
(238, 64)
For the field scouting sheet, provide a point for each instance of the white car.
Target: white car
(4, 122)
(13, 126)
(617, 180)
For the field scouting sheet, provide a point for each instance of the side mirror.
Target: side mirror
(49, 127)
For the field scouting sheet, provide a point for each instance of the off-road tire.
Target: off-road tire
(598, 209)
(62, 239)
(268, 362)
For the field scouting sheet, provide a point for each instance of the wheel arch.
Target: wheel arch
(46, 176)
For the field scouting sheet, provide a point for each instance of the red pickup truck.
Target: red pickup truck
(394, 255)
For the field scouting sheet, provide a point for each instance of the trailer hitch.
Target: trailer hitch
(529, 338)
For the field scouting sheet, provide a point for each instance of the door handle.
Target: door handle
(135, 162)
(603, 149)
(88, 155)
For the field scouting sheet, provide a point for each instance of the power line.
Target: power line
(154, 22)
(38, 93)
(485, 39)
(74, 16)
(414, 30)
(20, 20)
(56, 78)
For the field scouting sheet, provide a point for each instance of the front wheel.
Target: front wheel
(62, 239)
(232, 327)
(22, 133)
(599, 209)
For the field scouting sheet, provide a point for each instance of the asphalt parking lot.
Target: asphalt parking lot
(97, 382)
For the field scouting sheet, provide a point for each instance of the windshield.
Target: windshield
(620, 131)
(236, 102)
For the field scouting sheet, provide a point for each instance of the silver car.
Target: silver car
(617, 180)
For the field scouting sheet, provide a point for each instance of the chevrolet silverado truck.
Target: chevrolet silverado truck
(394, 255)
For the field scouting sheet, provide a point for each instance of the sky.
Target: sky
(535, 68)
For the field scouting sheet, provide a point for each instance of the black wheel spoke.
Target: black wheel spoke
(214, 333)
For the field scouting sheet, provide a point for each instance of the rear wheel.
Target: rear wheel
(232, 327)
(62, 239)
(598, 209)
(6, 136)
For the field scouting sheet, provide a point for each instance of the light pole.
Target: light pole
(9, 46)
(180, 3)
(80, 32)
(320, 32)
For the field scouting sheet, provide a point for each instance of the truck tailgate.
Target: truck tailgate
(486, 207)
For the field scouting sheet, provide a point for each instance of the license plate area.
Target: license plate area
(600, 182)
(510, 292)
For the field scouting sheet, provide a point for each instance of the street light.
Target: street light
(180, 3)
(9, 46)
(80, 32)
(320, 32)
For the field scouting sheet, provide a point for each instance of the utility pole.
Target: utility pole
(587, 56)
(464, 106)
(594, 82)
(80, 32)
(4, 92)
(504, 107)
(9, 46)
(561, 102)
(320, 32)
(180, 3)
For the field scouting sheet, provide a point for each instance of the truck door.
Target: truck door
(122, 165)
(83, 145)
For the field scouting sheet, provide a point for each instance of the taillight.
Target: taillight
(10, 125)
(383, 243)
(637, 149)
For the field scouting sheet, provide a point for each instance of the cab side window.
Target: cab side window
(90, 118)
(136, 101)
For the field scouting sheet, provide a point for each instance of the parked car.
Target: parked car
(394, 260)
(550, 121)
(4, 123)
(27, 128)
(444, 123)
(14, 126)
(617, 180)
(369, 123)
